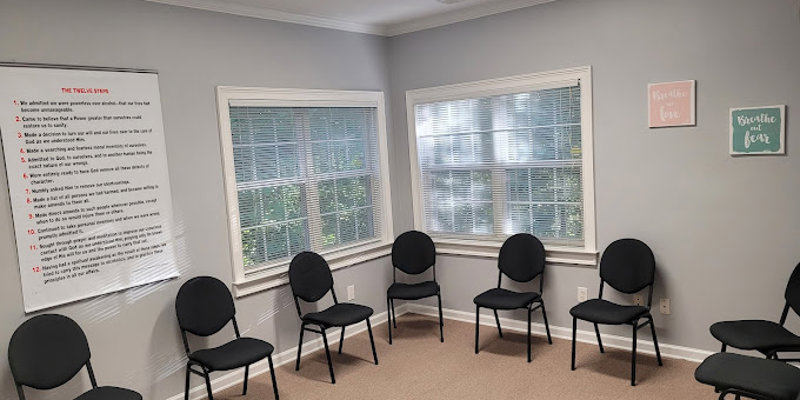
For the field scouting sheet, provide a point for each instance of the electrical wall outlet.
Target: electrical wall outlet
(638, 299)
(583, 294)
(665, 306)
(351, 292)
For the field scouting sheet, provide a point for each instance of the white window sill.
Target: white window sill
(569, 256)
(279, 276)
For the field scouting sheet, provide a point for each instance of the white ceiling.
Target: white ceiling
(379, 17)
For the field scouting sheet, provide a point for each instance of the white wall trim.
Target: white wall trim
(275, 15)
(614, 341)
(235, 377)
(478, 11)
(280, 277)
(554, 255)
(419, 24)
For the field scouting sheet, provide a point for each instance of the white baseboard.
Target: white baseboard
(615, 341)
(236, 376)
(644, 346)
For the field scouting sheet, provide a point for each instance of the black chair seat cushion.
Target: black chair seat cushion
(413, 291)
(755, 335)
(768, 378)
(503, 299)
(110, 393)
(341, 314)
(605, 312)
(234, 354)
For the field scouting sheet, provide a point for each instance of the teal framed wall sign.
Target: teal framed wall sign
(758, 130)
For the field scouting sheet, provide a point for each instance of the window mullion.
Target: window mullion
(336, 209)
(499, 200)
(452, 200)
(500, 145)
(303, 128)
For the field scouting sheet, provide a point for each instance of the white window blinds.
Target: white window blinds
(502, 164)
(307, 178)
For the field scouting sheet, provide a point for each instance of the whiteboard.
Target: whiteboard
(87, 178)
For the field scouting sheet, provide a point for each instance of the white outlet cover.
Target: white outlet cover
(582, 294)
(665, 307)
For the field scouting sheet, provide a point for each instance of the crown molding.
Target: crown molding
(419, 24)
(467, 14)
(275, 15)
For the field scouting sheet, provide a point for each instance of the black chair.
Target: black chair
(627, 265)
(767, 337)
(204, 306)
(751, 377)
(413, 252)
(48, 350)
(310, 278)
(521, 258)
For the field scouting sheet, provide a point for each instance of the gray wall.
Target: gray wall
(724, 230)
(133, 334)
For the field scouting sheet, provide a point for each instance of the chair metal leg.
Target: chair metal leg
(208, 384)
(394, 315)
(546, 325)
(246, 373)
(389, 321)
(599, 341)
(477, 326)
(299, 347)
(633, 354)
(736, 395)
(21, 394)
(272, 374)
(372, 342)
(497, 319)
(341, 340)
(327, 353)
(441, 320)
(574, 328)
(89, 369)
(655, 341)
(724, 347)
(529, 335)
(186, 390)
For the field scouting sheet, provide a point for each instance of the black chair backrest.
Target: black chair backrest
(628, 265)
(46, 351)
(792, 293)
(521, 257)
(310, 276)
(204, 306)
(413, 252)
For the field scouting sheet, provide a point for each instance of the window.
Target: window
(498, 157)
(304, 170)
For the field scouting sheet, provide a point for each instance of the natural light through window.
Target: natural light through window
(499, 157)
(305, 172)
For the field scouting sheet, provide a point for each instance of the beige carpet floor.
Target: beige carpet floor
(418, 366)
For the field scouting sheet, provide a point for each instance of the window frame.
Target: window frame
(276, 274)
(481, 246)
